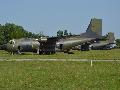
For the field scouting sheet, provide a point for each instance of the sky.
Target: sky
(49, 16)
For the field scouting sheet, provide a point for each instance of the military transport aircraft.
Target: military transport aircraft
(105, 44)
(52, 44)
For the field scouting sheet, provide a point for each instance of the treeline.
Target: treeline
(61, 33)
(118, 43)
(11, 31)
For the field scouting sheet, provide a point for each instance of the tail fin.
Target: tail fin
(111, 38)
(94, 29)
(95, 26)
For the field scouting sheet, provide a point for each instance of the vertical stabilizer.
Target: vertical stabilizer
(95, 26)
(94, 29)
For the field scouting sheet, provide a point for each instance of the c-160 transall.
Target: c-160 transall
(64, 44)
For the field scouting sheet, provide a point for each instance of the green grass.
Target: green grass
(47, 75)
(93, 54)
(61, 75)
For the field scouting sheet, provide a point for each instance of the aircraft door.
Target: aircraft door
(61, 46)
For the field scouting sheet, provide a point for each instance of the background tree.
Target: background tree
(65, 33)
(59, 33)
(70, 34)
(11, 31)
(1, 34)
(118, 42)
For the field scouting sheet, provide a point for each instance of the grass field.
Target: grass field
(47, 75)
(93, 54)
(61, 75)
